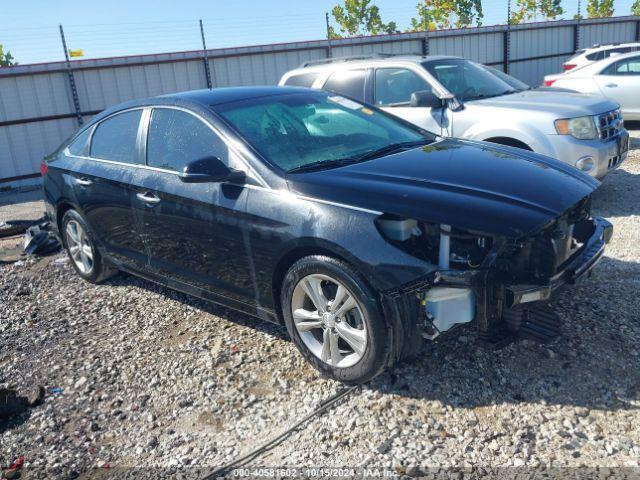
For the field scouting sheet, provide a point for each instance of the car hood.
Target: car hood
(471, 185)
(560, 104)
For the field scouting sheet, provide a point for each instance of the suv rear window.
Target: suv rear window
(302, 80)
(349, 83)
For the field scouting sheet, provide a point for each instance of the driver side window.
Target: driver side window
(176, 138)
(394, 86)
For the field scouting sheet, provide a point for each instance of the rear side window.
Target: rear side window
(394, 86)
(115, 138)
(349, 83)
(630, 66)
(176, 138)
(597, 55)
(302, 80)
(80, 146)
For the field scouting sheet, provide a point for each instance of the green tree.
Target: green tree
(635, 8)
(6, 59)
(435, 14)
(359, 17)
(528, 9)
(599, 8)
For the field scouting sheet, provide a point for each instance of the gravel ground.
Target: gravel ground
(138, 375)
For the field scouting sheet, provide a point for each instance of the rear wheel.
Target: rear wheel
(334, 319)
(85, 257)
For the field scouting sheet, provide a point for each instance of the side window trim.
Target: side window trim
(143, 131)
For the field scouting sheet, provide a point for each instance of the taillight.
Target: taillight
(568, 66)
(44, 168)
(548, 83)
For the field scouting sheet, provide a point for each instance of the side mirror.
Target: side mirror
(425, 98)
(209, 169)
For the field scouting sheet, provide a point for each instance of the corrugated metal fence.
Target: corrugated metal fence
(37, 109)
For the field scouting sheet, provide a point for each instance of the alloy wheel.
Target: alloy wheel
(329, 320)
(79, 246)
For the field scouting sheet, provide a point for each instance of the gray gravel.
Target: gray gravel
(147, 376)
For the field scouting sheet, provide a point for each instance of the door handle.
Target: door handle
(611, 85)
(84, 182)
(148, 197)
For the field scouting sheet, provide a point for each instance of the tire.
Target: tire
(94, 271)
(363, 324)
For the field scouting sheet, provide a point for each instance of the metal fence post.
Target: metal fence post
(72, 80)
(207, 71)
(425, 44)
(576, 29)
(506, 40)
(329, 49)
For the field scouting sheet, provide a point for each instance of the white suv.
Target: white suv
(454, 97)
(587, 56)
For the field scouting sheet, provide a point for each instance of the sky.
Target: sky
(29, 28)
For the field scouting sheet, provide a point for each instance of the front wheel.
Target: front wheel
(334, 319)
(85, 257)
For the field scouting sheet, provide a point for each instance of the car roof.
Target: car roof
(609, 46)
(218, 96)
(366, 60)
(203, 99)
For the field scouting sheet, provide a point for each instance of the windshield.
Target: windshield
(466, 80)
(505, 77)
(316, 129)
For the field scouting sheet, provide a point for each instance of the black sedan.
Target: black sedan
(361, 233)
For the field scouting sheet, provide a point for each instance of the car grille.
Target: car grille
(609, 124)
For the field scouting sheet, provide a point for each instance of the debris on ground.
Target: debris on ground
(40, 240)
(13, 471)
(17, 227)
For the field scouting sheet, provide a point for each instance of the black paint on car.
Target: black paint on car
(360, 232)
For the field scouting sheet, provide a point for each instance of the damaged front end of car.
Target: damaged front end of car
(500, 284)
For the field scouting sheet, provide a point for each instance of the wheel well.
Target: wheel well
(509, 142)
(286, 262)
(63, 208)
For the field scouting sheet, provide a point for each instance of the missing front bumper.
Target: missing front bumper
(582, 264)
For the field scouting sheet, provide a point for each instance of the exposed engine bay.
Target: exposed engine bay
(506, 282)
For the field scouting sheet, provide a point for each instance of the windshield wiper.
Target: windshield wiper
(340, 162)
(392, 148)
(485, 95)
(323, 164)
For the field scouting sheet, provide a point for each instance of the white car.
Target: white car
(587, 56)
(616, 78)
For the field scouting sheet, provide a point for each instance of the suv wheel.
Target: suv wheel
(84, 255)
(334, 319)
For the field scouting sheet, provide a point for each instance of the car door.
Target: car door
(195, 231)
(392, 92)
(621, 83)
(101, 184)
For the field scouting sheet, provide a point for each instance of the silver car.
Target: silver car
(616, 78)
(455, 97)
